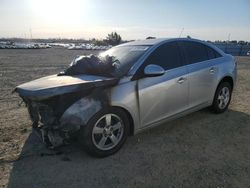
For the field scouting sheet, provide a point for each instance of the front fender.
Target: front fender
(79, 113)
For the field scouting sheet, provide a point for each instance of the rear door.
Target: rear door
(166, 95)
(202, 71)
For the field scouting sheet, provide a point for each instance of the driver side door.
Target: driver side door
(162, 96)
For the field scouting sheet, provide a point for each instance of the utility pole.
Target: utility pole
(30, 34)
(229, 36)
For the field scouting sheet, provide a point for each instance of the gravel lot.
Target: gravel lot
(198, 150)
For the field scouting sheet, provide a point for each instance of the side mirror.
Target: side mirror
(153, 70)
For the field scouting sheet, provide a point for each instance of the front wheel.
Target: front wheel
(222, 98)
(105, 133)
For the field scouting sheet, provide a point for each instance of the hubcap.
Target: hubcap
(223, 97)
(107, 132)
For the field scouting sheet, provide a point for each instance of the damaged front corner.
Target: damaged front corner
(79, 113)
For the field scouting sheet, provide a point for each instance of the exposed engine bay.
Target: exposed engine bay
(59, 105)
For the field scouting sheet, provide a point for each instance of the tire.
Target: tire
(222, 98)
(105, 133)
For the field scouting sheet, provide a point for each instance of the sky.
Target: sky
(132, 19)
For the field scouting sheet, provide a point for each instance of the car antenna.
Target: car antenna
(181, 32)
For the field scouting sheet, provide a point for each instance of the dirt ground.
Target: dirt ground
(198, 150)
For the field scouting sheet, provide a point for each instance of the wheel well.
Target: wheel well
(229, 80)
(130, 118)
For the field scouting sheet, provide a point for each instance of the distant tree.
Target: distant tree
(241, 42)
(188, 37)
(113, 38)
(150, 37)
(98, 42)
(233, 41)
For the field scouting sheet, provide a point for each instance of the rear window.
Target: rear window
(195, 52)
(212, 54)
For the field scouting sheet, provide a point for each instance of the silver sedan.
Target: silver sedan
(148, 83)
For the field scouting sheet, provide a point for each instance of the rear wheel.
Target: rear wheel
(105, 133)
(222, 98)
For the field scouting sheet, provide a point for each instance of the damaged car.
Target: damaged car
(129, 88)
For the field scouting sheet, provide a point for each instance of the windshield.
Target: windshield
(115, 62)
(124, 57)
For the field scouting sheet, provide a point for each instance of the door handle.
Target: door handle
(212, 70)
(181, 80)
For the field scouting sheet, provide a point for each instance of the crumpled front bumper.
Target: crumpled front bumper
(46, 125)
(57, 123)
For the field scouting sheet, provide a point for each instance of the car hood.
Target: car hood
(57, 85)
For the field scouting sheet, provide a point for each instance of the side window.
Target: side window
(212, 54)
(217, 54)
(167, 56)
(195, 52)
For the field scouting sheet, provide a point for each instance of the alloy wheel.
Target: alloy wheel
(223, 97)
(107, 132)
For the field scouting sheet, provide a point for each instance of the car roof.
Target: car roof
(145, 42)
(157, 41)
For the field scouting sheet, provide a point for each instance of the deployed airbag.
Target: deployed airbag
(91, 65)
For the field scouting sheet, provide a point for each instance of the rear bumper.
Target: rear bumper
(235, 73)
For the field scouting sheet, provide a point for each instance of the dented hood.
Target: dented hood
(57, 85)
